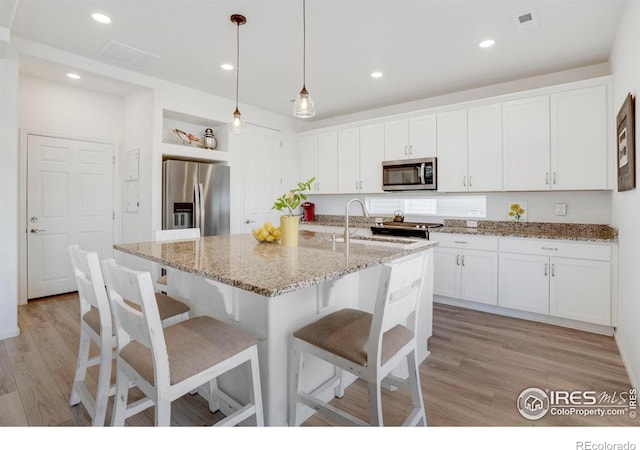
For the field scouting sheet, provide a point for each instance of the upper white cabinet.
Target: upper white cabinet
(410, 138)
(484, 162)
(360, 154)
(319, 159)
(452, 151)
(526, 144)
(470, 149)
(371, 157)
(579, 139)
(557, 141)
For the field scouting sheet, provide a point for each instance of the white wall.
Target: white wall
(625, 214)
(9, 189)
(582, 207)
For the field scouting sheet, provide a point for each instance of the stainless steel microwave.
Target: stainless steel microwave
(409, 174)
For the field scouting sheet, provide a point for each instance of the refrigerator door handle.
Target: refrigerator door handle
(196, 197)
(202, 213)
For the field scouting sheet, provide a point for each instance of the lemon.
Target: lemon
(276, 233)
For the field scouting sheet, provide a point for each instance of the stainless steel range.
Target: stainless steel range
(412, 229)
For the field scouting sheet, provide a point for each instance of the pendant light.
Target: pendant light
(237, 124)
(304, 107)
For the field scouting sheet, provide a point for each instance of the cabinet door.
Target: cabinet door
(526, 144)
(348, 160)
(328, 163)
(581, 290)
(524, 282)
(396, 139)
(309, 160)
(422, 136)
(446, 272)
(479, 276)
(579, 150)
(371, 157)
(452, 151)
(485, 148)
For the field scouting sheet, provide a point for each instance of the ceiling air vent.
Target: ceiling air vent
(526, 21)
(124, 54)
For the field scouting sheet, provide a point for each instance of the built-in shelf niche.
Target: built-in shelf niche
(194, 125)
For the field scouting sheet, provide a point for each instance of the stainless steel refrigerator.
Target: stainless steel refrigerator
(195, 195)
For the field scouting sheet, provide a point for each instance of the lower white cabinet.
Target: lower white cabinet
(559, 278)
(466, 267)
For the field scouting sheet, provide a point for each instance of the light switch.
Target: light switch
(561, 209)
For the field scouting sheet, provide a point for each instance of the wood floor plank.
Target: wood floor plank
(7, 380)
(12, 413)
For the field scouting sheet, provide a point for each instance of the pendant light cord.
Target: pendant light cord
(304, 43)
(237, 60)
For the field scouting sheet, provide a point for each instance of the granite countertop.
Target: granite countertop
(268, 269)
(540, 230)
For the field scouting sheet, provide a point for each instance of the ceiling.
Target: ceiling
(424, 47)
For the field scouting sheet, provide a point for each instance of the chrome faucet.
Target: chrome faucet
(346, 218)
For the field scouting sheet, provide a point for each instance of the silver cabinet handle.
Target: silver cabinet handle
(460, 242)
(462, 260)
(546, 267)
(360, 185)
(457, 260)
(469, 180)
(554, 177)
(546, 178)
(406, 150)
(356, 185)
(550, 248)
(35, 230)
(553, 270)
(464, 181)
(411, 150)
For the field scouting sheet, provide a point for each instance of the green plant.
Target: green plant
(288, 203)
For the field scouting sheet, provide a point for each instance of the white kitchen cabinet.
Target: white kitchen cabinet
(371, 157)
(484, 160)
(466, 267)
(414, 137)
(526, 144)
(579, 150)
(559, 278)
(319, 159)
(360, 155)
(470, 149)
(452, 151)
(524, 282)
(581, 290)
(557, 142)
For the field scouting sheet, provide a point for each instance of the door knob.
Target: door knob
(249, 221)
(35, 230)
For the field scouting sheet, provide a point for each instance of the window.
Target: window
(463, 206)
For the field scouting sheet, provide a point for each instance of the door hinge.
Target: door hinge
(113, 158)
(114, 215)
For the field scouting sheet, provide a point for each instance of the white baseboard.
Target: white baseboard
(625, 360)
(568, 323)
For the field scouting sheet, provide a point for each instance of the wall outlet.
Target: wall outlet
(472, 224)
(561, 209)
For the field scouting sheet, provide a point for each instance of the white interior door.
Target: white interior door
(261, 149)
(69, 201)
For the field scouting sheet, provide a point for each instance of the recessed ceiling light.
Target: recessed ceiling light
(73, 76)
(376, 74)
(227, 66)
(101, 18)
(488, 43)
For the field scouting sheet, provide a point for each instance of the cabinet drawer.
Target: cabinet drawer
(465, 241)
(566, 249)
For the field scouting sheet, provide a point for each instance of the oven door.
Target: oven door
(409, 174)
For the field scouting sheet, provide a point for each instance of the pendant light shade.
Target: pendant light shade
(237, 124)
(304, 106)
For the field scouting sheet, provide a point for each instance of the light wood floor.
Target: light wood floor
(479, 364)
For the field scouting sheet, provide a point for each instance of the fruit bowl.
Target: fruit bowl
(267, 233)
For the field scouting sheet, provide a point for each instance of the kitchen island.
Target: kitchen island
(270, 291)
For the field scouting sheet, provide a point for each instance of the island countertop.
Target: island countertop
(268, 269)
